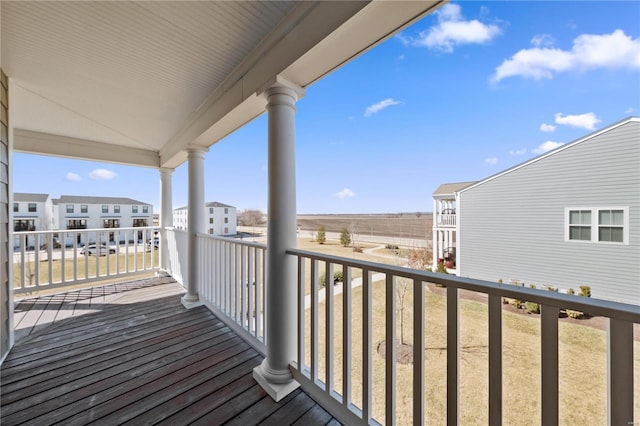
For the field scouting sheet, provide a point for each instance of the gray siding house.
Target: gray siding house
(567, 218)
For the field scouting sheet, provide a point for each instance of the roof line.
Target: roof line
(554, 151)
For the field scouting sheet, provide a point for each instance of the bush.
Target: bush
(441, 268)
(322, 281)
(321, 238)
(345, 237)
(585, 291)
(532, 307)
(571, 291)
(391, 247)
(357, 249)
(574, 314)
(337, 277)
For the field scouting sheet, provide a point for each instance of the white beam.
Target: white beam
(31, 142)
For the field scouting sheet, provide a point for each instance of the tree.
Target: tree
(419, 258)
(321, 238)
(345, 237)
(251, 218)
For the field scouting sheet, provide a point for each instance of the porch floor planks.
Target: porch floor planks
(138, 357)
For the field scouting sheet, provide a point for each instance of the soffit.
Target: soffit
(128, 73)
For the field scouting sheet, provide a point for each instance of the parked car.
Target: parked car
(153, 244)
(101, 250)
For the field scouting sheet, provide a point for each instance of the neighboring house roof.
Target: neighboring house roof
(555, 151)
(209, 204)
(84, 199)
(451, 188)
(34, 198)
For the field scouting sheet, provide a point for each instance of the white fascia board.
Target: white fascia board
(28, 141)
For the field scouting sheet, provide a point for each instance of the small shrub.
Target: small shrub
(571, 291)
(441, 268)
(391, 247)
(321, 237)
(532, 307)
(585, 291)
(345, 237)
(322, 281)
(337, 276)
(532, 286)
(357, 249)
(515, 302)
(574, 314)
(551, 288)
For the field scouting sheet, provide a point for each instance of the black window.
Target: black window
(32, 207)
(84, 208)
(69, 208)
(105, 208)
(16, 207)
(116, 209)
(134, 209)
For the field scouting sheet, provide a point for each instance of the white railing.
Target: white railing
(232, 284)
(178, 251)
(317, 371)
(446, 220)
(52, 259)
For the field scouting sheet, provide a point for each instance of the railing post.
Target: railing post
(274, 374)
(196, 222)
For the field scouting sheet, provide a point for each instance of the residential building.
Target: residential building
(220, 219)
(445, 224)
(31, 212)
(89, 212)
(567, 218)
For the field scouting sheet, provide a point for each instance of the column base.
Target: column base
(189, 301)
(276, 385)
(162, 274)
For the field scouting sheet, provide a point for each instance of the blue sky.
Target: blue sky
(462, 94)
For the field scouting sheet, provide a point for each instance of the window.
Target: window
(16, 207)
(84, 208)
(105, 208)
(139, 222)
(24, 225)
(226, 220)
(597, 225)
(77, 224)
(210, 210)
(69, 208)
(611, 226)
(111, 223)
(580, 225)
(134, 209)
(226, 211)
(211, 231)
(116, 209)
(226, 230)
(32, 207)
(210, 220)
(145, 209)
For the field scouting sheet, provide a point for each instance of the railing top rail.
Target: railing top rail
(233, 240)
(56, 231)
(596, 307)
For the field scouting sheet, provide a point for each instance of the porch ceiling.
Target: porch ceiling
(137, 81)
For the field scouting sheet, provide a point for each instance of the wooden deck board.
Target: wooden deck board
(130, 353)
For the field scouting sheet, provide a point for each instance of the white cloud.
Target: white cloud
(518, 152)
(584, 121)
(345, 193)
(544, 127)
(491, 161)
(452, 30)
(372, 109)
(629, 110)
(547, 146)
(589, 51)
(102, 174)
(73, 177)
(542, 40)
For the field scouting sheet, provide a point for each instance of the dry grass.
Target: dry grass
(582, 358)
(93, 264)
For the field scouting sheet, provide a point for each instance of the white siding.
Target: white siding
(513, 226)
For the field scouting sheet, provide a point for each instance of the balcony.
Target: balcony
(347, 354)
(446, 219)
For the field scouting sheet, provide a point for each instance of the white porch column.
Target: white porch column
(274, 374)
(196, 223)
(166, 218)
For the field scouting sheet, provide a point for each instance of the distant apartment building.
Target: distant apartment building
(31, 212)
(87, 212)
(221, 219)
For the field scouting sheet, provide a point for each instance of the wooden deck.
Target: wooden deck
(136, 356)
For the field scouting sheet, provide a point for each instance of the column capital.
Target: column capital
(280, 85)
(166, 171)
(196, 151)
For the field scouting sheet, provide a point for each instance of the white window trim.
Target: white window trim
(595, 225)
